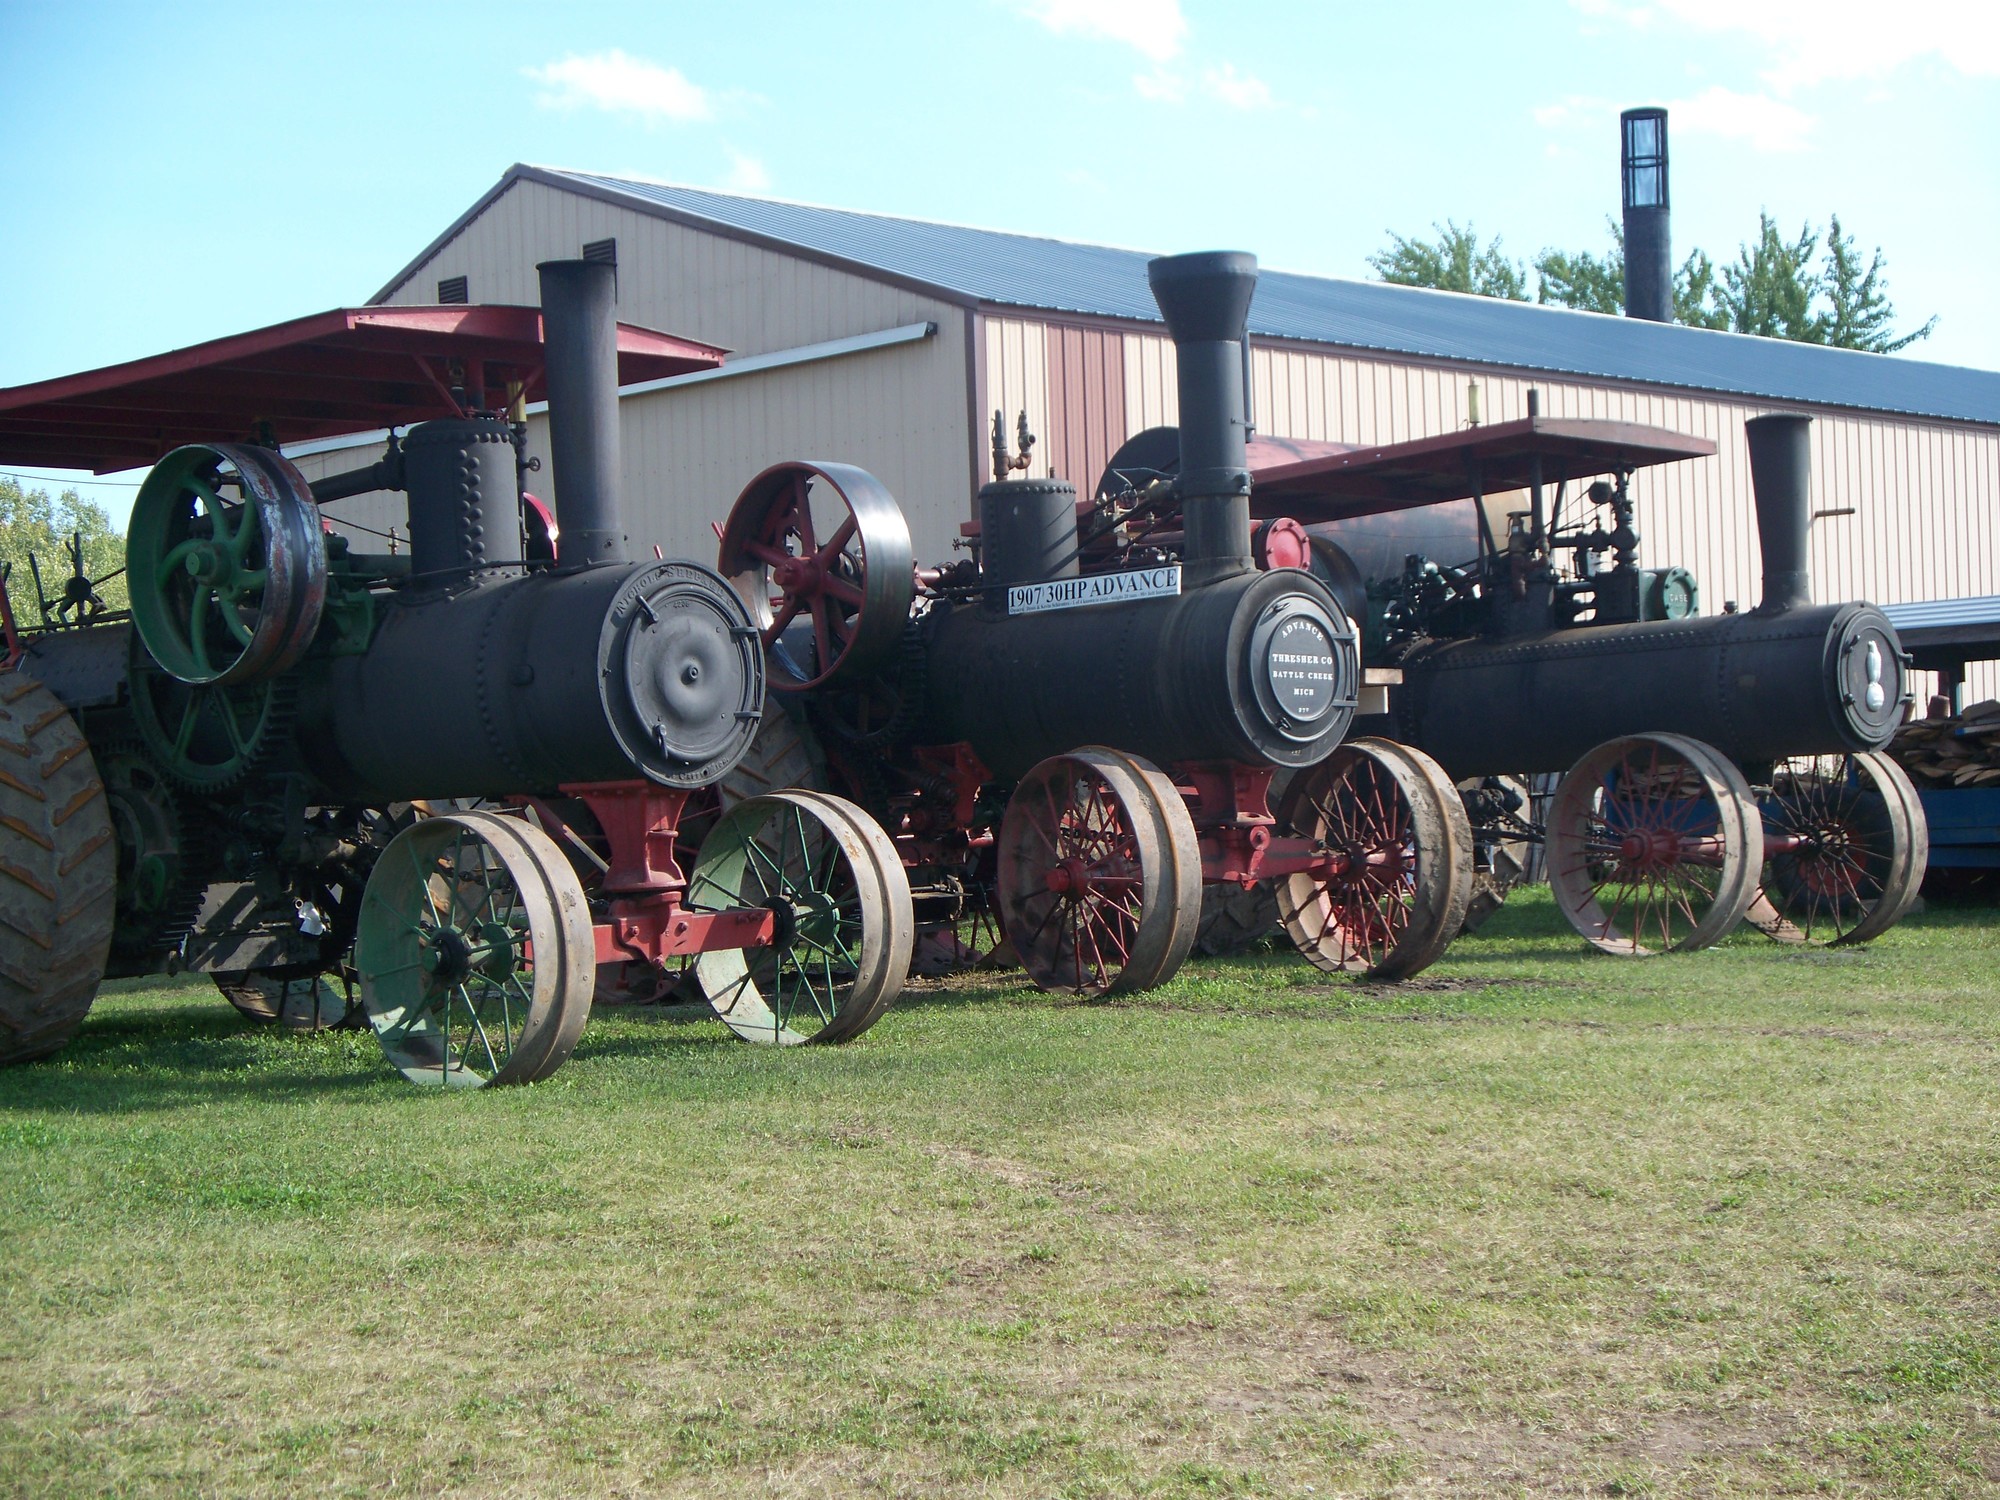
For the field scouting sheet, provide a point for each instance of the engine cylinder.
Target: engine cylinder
(1757, 687)
(488, 690)
(1262, 667)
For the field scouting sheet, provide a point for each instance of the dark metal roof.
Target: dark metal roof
(1941, 633)
(1019, 270)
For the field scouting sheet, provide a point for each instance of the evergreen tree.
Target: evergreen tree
(1455, 262)
(1858, 311)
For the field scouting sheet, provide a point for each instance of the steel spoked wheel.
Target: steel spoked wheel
(308, 999)
(227, 564)
(1653, 846)
(475, 951)
(208, 735)
(1845, 845)
(1096, 888)
(820, 552)
(842, 924)
(1393, 891)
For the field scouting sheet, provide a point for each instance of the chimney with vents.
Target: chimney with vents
(1649, 250)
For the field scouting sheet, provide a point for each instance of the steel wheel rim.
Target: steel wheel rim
(1863, 852)
(1360, 803)
(225, 592)
(841, 913)
(467, 974)
(1661, 826)
(844, 565)
(1088, 885)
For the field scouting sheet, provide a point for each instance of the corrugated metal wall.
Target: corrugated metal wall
(1925, 495)
(899, 412)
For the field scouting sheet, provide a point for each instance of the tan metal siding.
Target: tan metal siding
(898, 412)
(1926, 495)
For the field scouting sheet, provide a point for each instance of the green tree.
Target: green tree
(1772, 288)
(1769, 289)
(1454, 262)
(1858, 312)
(32, 524)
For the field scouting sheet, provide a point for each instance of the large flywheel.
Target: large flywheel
(821, 554)
(227, 564)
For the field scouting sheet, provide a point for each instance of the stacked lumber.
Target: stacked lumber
(1963, 750)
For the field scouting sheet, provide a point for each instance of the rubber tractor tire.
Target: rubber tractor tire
(58, 873)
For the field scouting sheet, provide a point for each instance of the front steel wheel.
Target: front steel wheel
(1846, 845)
(475, 952)
(842, 924)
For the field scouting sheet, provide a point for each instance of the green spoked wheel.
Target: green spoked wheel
(841, 914)
(1845, 849)
(475, 952)
(209, 735)
(227, 564)
(1653, 846)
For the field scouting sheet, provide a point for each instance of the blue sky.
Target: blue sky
(175, 173)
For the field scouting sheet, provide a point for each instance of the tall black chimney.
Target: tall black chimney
(1781, 475)
(580, 348)
(1205, 299)
(1649, 246)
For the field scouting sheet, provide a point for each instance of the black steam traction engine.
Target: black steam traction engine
(1716, 767)
(1072, 735)
(234, 781)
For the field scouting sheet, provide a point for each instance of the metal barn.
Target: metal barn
(890, 342)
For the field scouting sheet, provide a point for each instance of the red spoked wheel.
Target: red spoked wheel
(821, 554)
(1099, 877)
(1845, 848)
(1393, 892)
(1653, 846)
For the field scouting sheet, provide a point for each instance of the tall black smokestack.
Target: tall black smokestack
(1781, 474)
(1649, 246)
(580, 347)
(1205, 299)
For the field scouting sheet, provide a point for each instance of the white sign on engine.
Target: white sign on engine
(1097, 588)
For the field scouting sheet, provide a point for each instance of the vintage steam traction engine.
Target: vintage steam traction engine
(1066, 754)
(254, 748)
(1716, 768)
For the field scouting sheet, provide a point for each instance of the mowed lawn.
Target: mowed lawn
(1539, 1222)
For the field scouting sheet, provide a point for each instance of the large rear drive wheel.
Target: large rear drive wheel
(1653, 846)
(58, 873)
(1397, 896)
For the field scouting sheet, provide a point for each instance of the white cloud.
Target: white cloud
(1160, 86)
(1154, 28)
(1817, 41)
(613, 81)
(1761, 123)
(746, 173)
(1237, 90)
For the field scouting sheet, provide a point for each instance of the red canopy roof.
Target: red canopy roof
(349, 370)
(1457, 465)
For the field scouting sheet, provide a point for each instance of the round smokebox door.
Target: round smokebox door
(1302, 666)
(1868, 666)
(692, 672)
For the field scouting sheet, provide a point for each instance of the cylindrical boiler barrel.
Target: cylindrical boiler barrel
(1807, 682)
(527, 683)
(1262, 668)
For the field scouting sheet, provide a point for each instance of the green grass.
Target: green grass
(1539, 1222)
